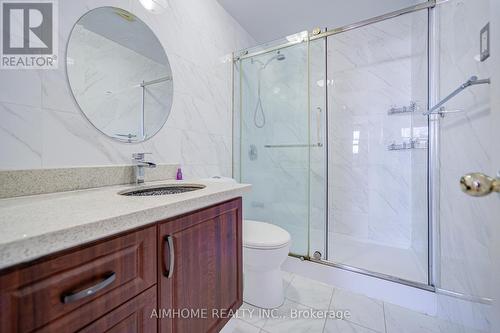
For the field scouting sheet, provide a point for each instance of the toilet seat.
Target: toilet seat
(264, 236)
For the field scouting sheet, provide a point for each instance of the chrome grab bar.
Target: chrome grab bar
(436, 109)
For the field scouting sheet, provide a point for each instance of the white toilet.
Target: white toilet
(265, 248)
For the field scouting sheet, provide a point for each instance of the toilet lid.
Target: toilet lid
(261, 235)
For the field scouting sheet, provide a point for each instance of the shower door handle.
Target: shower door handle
(318, 126)
(478, 184)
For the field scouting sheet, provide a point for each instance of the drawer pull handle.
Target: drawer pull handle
(169, 243)
(78, 295)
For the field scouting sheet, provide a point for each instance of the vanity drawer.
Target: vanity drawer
(81, 285)
(132, 317)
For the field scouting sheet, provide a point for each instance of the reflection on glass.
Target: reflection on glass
(119, 74)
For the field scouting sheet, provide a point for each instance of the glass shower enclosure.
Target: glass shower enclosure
(273, 139)
(328, 130)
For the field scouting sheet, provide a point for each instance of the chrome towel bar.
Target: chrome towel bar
(294, 145)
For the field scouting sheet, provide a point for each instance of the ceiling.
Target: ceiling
(266, 20)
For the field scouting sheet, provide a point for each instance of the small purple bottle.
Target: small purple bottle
(179, 174)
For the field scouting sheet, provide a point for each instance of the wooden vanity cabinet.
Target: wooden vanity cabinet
(118, 285)
(200, 272)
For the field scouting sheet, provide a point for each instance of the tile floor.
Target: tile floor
(366, 315)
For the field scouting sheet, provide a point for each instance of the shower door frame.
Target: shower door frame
(433, 171)
(432, 154)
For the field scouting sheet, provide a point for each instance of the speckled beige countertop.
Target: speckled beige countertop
(34, 226)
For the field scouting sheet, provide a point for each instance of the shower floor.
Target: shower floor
(398, 262)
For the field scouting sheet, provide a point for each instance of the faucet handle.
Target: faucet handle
(139, 156)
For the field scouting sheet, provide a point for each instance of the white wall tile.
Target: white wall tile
(198, 36)
(466, 146)
(21, 136)
(371, 189)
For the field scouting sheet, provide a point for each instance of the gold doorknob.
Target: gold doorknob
(478, 184)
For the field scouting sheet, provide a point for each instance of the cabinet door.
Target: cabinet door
(200, 269)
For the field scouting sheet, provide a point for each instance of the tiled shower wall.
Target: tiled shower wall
(42, 127)
(371, 189)
(279, 175)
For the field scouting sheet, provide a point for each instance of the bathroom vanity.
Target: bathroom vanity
(179, 273)
(109, 259)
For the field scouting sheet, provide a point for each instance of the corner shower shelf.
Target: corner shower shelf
(403, 109)
(412, 144)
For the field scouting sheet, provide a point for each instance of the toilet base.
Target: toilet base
(263, 289)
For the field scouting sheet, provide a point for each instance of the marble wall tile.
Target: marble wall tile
(466, 137)
(21, 140)
(21, 87)
(373, 69)
(466, 146)
(280, 176)
(350, 223)
(198, 37)
(63, 131)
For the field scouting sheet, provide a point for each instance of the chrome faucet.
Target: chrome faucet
(140, 164)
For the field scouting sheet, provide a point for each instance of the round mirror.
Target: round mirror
(119, 74)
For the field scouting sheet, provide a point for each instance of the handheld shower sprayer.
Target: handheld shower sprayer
(258, 106)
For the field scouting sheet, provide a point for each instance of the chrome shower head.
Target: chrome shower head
(278, 57)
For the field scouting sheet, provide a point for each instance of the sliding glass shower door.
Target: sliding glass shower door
(331, 135)
(377, 148)
(272, 100)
